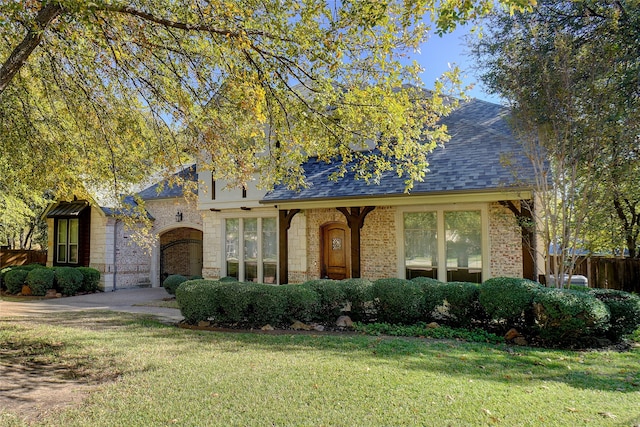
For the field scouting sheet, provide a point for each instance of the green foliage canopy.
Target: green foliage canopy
(100, 93)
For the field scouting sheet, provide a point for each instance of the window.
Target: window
(464, 246)
(444, 245)
(251, 249)
(67, 241)
(421, 245)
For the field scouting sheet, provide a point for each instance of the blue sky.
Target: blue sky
(438, 52)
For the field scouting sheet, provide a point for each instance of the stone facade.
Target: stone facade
(505, 242)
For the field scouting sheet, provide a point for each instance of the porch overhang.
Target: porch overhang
(405, 199)
(67, 209)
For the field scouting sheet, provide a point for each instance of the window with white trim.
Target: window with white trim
(444, 244)
(251, 249)
(67, 241)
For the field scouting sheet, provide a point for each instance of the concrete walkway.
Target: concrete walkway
(124, 300)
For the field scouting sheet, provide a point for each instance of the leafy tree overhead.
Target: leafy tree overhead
(106, 91)
(571, 71)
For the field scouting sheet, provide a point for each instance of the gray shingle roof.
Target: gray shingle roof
(165, 189)
(473, 160)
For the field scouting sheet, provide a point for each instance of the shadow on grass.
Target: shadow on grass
(518, 366)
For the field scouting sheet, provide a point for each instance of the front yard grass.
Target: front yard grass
(160, 376)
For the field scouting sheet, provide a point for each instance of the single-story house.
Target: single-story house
(460, 224)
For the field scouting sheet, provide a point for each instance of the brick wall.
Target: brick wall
(378, 244)
(505, 242)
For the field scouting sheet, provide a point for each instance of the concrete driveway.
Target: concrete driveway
(125, 300)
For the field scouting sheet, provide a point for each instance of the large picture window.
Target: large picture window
(444, 245)
(67, 241)
(251, 249)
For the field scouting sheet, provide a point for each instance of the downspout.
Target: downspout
(115, 259)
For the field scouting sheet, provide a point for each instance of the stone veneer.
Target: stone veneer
(505, 240)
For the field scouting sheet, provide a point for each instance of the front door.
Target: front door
(335, 251)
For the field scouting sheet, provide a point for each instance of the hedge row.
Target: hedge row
(557, 317)
(66, 280)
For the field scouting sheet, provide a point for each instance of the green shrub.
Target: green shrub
(172, 282)
(358, 293)
(40, 280)
(302, 303)
(426, 281)
(14, 279)
(625, 311)
(397, 300)
(567, 317)
(331, 298)
(67, 280)
(231, 302)
(196, 299)
(508, 300)
(455, 303)
(228, 279)
(266, 305)
(90, 279)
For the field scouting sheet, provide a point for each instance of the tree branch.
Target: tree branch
(21, 53)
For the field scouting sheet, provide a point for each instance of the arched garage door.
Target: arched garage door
(181, 252)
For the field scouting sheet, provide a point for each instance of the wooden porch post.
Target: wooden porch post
(284, 222)
(355, 221)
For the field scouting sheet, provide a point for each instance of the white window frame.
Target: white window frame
(442, 241)
(68, 243)
(241, 216)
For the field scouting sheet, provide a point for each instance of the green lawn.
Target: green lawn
(169, 376)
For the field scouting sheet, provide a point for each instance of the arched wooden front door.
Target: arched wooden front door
(335, 251)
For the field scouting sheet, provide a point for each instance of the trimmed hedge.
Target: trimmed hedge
(397, 301)
(455, 303)
(67, 280)
(359, 295)
(331, 298)
(14, 279)
(40, 280)
(90, 279)
(172, 282)
(508, 300)
(302, 303)
(624, 308)
(266, 305)
(195, 299)
(567, 317)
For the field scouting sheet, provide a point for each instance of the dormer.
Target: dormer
(220, 194)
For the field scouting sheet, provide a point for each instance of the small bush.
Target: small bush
(14, 279)
(228, 279)
(40, 280)
(302, 303)
(196, 299)
(397, 300)
(567, 317)
(508, 300)
(231, 302)
(266, 305)
(67, 280)
(90, 279)
(625, 311)
(455, 303)
(331, 298)
(358, 293)
(172, 282)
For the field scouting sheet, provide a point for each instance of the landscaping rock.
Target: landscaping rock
(51, 293)
(26, 290)
(317, 327)
(344, 322)
(299, 326)
(267, 327)
(512, 334)
(432, 325)
(204, 323)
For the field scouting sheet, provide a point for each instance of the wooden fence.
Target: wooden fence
(610, 273)
(21, 257)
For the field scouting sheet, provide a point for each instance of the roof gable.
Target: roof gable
(475, 159)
